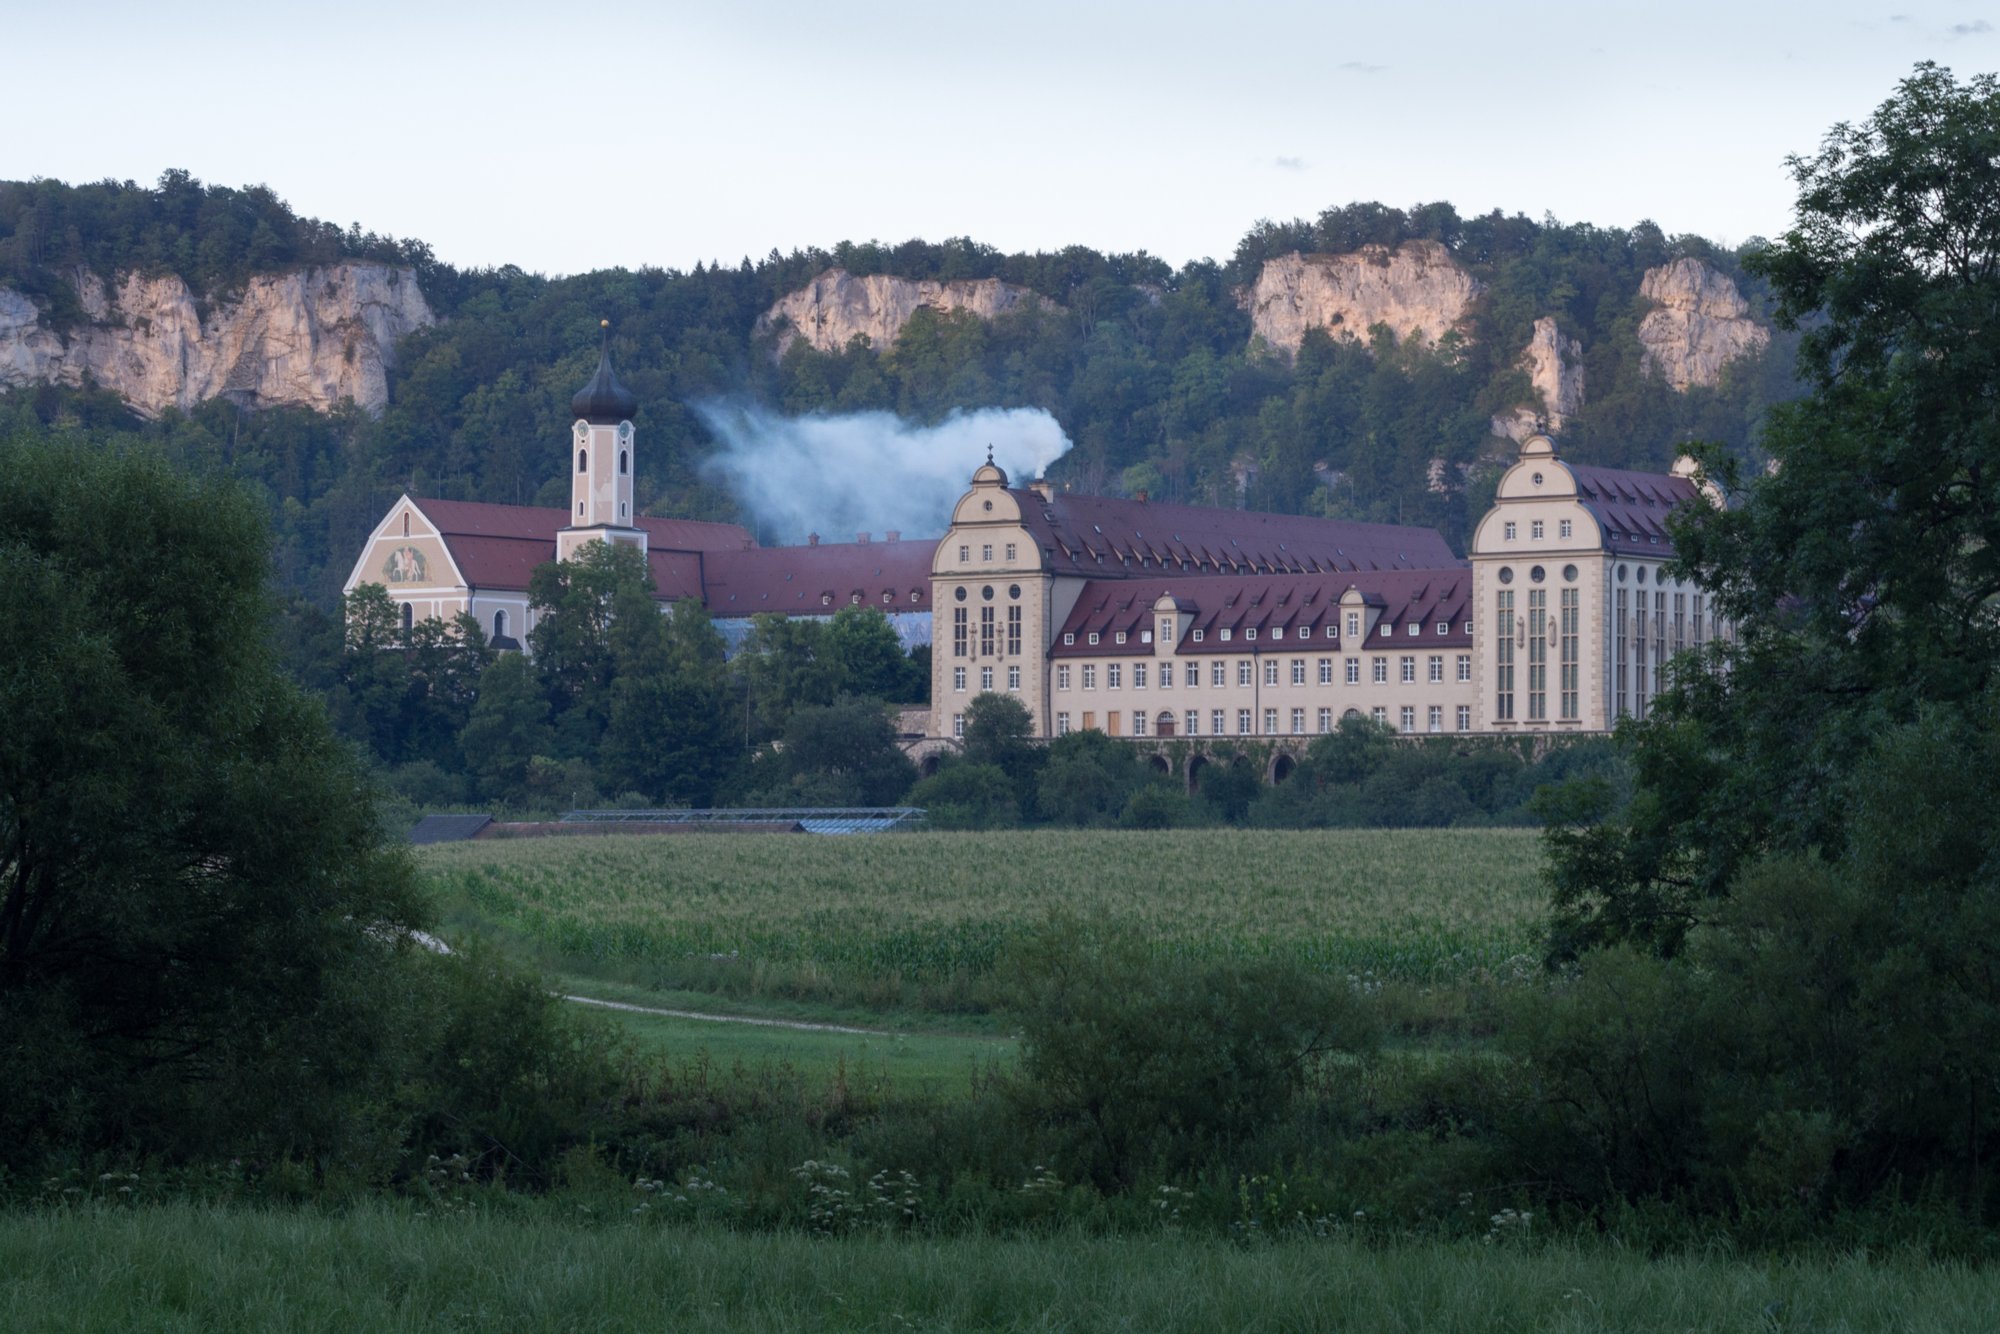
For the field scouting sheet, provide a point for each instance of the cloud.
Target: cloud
(1360, 67)
(866, 472)
(1972, 29)
(1283, 163)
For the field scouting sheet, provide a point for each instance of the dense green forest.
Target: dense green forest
(1150, 370)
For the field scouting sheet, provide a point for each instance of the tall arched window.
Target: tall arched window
(409, 618)
(624, 461)
(500, 624)
(406, 523)
(583, 460)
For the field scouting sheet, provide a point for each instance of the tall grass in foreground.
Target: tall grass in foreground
(1416, 905)
(380, 1269)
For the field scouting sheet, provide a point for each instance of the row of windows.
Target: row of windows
(1246, 673)
(1218, 720)
(989, 633)
(1512, 530)
(985, 553)
(958, 679)
(1386, 630)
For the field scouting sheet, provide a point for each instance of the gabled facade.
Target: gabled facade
(1152, 621)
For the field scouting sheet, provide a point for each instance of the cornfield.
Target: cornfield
(1405, 904)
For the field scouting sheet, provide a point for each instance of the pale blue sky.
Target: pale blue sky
(571, 137)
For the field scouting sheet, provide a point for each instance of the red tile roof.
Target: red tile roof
(1110, 538)
(818, 580)
(1276, 607)
(499, 546)
(1632, 507)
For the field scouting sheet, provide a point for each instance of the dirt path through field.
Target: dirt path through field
(799, 1024)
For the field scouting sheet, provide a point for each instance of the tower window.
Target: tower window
(624, 461)
(583, 460)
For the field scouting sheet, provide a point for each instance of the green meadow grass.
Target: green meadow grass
(386, 1268)
(1415, 905)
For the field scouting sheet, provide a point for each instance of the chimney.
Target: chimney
(861, 538)
(812, 539)
(892, 536)
(1041, 487)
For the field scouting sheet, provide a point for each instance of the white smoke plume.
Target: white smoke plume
(866, 472)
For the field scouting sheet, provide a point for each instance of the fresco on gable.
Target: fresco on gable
(405, 565)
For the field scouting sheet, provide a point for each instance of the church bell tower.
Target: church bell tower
(600, 492)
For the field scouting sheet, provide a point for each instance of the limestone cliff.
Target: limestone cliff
(1555, 367)
(836, 306)
(1702, 323)
(306, 339)
(1417, 290)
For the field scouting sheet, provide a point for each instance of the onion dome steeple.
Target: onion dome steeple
(604, 401)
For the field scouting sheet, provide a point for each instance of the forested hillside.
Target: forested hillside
(1153, 372)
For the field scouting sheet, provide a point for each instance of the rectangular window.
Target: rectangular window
(958, 679)
(1270, 671)
(1243, 670)
(1298, 722)
(958, 632)
(1407, 669)
(1194, 722)
(1138, 723)
(1062, 678)
(1510, 530)
(1639, 655)
(1379, 714)
(985, 678)
(1434, 668)
(1659, 642)
(1624, 650)
(1326, 720)
(1535, 530)
(1436, 718)
(1697, 621)
(1378, 671)
(1013, 678)
(1217, 721)
(986, 632)
(1352, 668)
(1465, 717)
(1089, 676)
(1114, 676)
(1326, 671)
(1465, 667)
(1270, 722)
(1409, 718)
(1298, 671)
(1538, 654)
(1354, 625)
(965, 554)
(1218, 673)
(1571, 616)
(1062, 724)
(1139, 676)
(1166, 676)
(1564, 528)
(1243, 722)
(1093, 636)
(1014, 632)
(986, 552)
(1503, 658)
(958, 724)
(1193, 677)
(1010, 551)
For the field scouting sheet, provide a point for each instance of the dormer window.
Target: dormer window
(1093, 636)
(1354, 625)
(1225, 635)
(1444, 627)
(1332, 630)
(1414, 629)
(1305, 632)
(1069, 636)
(1145, 636)
(1251, 633)
(1121, 637)
(1198, 636)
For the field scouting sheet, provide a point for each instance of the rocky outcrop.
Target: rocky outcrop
(1701, 325)
(836, 306)
(1555, 367)
(1417, 290)
(306, 339)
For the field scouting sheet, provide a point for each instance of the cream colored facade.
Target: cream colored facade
(409, 556)
(1560, 622)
